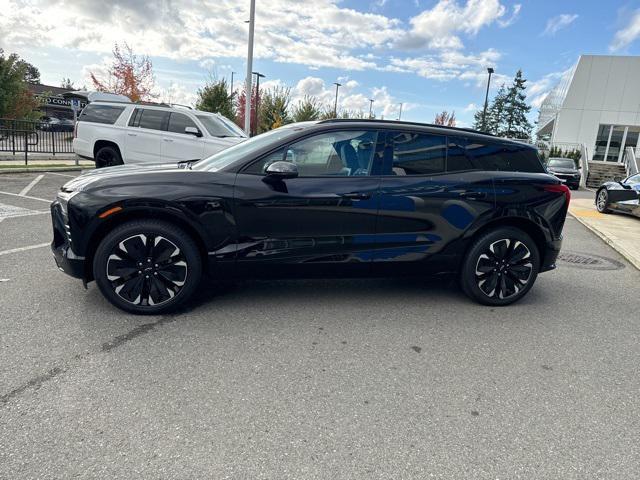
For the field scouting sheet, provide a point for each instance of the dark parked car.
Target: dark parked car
(565, 169)
(330, 198)
(620, 196)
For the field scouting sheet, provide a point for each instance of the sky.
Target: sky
(429, 55)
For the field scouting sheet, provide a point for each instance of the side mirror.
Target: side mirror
(617, 179)
(193, 131)
(282, 170)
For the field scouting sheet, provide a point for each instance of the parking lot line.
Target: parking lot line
(22, 249)
(61, 174)
(25, 196)
(28, 188)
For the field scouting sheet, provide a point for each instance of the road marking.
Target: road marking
(33, 183)
(22, 249)
(25, 196)
(61, 174)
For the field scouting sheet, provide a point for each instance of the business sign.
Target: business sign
(63, 102)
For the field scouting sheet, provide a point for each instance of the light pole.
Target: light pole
(370, 108)
(232, 74)
(335, 106)
(486, 101)
(258, 77)
(400, 113)
(247, 100)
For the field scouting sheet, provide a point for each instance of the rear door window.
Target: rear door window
(106, 114)
(457, 158)
(153, 119)
(418, 153)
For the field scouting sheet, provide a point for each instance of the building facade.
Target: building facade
(595, 107)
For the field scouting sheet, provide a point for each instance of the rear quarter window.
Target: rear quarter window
(504, 157)
(106, 114)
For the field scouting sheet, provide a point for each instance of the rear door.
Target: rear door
(178, 145)
(431, 193)
(144, 137)
(320, 223)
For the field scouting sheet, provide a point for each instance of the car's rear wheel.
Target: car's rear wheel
(602, 201)
(500, 267)
(147, 267)
(108, 157)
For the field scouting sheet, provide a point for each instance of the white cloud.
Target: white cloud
(440, 27)
(559, 22)
(515, 13)
(628, 34)
(538, 90)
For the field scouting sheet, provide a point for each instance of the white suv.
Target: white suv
(113, 133)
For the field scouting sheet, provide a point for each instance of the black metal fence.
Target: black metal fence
(22, 137)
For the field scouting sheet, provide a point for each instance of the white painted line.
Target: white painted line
(26, 196)
(61, 174)
(33, 183)
(22, 249)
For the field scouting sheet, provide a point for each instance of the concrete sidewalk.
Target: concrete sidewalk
(38, 162)
(621, 232)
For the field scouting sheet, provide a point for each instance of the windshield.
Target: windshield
(561, 163)
(243, 150)
(232, 126)
(217, 128)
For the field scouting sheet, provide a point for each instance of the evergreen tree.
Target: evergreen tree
(273, 108)
(215, 97)
(496, 113)
(516, 124)
(309, 108)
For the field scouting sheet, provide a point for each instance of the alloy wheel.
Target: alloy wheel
(504, 268)
(146, 270)
(602, 200)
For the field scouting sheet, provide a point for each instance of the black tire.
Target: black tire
(500, 267)
(147, 267)
(602, 201)
(108, 157)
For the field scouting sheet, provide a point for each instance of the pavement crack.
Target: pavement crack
(117, 341)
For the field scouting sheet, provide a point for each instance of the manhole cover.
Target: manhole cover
(589, 261)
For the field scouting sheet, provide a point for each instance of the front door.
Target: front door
(320, 223)
(178, 145)
(431, 193)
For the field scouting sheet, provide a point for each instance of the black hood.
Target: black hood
(562, 170)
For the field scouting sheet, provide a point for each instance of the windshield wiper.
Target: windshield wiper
(188, 163)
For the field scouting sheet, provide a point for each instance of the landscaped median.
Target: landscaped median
(42, 163)
(620, 231)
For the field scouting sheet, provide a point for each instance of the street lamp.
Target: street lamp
(335, 106)
(370, 108)
(486, 101)
(400, 113)
(258, 77)
(247, 100)
(232, 74)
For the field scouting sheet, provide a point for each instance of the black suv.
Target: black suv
(329, 198)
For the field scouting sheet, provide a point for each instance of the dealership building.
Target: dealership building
(56, 101)
(595, 108)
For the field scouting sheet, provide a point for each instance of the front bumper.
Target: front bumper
(61, 246)
(550, 255)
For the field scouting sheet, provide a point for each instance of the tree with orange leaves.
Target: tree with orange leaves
(129, 75)
(445, 118)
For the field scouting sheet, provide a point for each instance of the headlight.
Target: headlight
(64, 197)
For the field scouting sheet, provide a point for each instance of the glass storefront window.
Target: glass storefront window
(602, 140)
(612, 140)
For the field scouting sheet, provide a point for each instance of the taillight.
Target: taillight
(561, 188)
(75, 130)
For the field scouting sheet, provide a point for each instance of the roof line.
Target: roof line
(404, 122)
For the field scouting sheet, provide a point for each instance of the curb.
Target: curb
(609, 241)
(44, 169)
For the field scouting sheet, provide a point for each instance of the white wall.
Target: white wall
(605, 90)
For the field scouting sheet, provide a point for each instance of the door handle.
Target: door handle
(356, 196)
(132, 134)
(473, 195)
(167, 140)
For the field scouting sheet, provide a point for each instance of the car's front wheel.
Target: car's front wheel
(500, 267)
(147, 267)
(602, 201)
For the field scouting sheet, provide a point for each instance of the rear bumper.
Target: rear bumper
(82, 148)
(550, 255)
(61, 246)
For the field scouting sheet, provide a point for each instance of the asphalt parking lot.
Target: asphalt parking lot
(373, 378)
